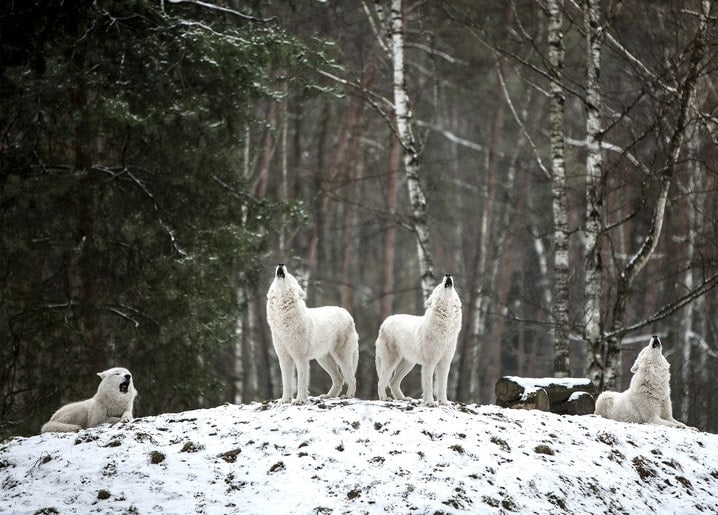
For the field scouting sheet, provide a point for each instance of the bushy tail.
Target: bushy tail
(59, 427)
(604, 404)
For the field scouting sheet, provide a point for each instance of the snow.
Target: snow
(543, 382)
(340, 456)
(532, 384)
(576, 395)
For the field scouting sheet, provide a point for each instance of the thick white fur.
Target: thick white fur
(109, 405)
(648, 398)
(429, 340)
(300, 334)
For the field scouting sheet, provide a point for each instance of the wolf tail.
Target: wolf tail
(59, 427)
(604, 404)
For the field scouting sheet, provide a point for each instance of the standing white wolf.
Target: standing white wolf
(429, 340)
(300, 334)
(112, 403)
(648, 398)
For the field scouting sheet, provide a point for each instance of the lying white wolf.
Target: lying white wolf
(429, 340)
(112, 403)
(648, 398)
(300, 334)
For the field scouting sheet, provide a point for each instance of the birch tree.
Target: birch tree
(410, 148)
(592, 323)
(688, 319)
(559, 305)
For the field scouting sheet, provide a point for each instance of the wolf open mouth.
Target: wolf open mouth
(124, 385)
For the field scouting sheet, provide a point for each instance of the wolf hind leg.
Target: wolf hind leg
(329, 364)
(400, 372)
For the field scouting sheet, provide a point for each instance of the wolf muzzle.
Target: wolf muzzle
(125, 385)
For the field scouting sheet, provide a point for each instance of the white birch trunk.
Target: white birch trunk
(240, 335)
(592, 327)
(238, 364)
(559, 307)
(542, 258)
(687, 318)
(284, 188)
(404, 122)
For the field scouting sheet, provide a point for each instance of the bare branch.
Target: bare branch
(451, 136)
(521, 125)
(613, 148)
(207, 5)
(667, 310)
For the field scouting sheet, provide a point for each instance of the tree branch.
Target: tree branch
(670, 308)
(207, 5)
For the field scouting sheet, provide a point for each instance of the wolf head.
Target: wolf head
(650, 354)
(444, 291)
(116, 380)
(283, 281)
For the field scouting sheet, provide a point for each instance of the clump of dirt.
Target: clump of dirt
(156, 457)
(544, 449)
(501, 443)
(277, 467)
(190, 446)
(230, 456)
(643, 467)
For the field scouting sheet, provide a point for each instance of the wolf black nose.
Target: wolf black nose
(280, 270)
(655, 341)
(128, 376)
(448, 281)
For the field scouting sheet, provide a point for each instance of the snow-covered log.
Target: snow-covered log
(563, 395)
(580, 403)
(536, 398)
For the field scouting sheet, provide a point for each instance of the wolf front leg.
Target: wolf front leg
(427, 383)
(286, 365)
(442, 378)
(302, 380)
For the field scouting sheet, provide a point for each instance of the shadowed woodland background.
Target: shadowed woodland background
(159, 158)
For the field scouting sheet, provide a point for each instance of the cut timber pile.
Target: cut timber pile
(566, 396)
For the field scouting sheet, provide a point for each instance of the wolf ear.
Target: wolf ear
(636, 366)
(427, 302)
(102, 374)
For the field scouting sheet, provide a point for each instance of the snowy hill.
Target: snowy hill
(362, 457)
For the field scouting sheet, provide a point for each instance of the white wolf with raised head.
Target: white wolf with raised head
(301, 334)
(112, 403)
(429, 340)
(648, 398)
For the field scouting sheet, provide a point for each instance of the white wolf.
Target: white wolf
(648, 398)
(301, 334)
(112, 403)
(429, 340)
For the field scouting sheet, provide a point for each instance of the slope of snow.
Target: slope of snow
(362, 457)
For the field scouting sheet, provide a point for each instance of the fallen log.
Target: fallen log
(580, 403)
(534, 399)
(572, 396)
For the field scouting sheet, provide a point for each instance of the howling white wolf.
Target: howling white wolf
(301, 334)
(112, 403)
(429, 340)
(648, 398)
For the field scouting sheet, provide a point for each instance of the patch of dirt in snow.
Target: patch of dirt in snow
(337, 456)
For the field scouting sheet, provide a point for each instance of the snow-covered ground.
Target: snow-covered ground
(362, 457)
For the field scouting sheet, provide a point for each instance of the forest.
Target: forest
(158, 158)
